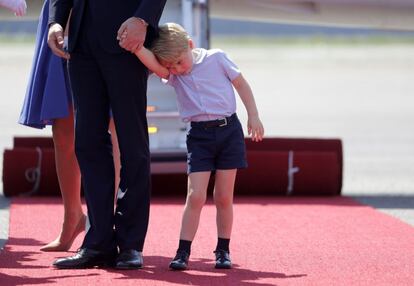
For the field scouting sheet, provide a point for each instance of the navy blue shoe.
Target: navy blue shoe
(180, 261)
(223, 260)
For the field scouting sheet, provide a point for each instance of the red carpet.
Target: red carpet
(276, 241)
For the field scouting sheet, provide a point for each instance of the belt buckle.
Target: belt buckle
(225, 122)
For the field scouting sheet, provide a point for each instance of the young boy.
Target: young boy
(204, 80)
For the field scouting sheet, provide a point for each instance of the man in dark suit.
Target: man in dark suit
(107, 77)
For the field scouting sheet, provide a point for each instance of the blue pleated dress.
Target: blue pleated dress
(48, 94)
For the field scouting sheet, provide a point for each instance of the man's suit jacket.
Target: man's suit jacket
(108, 15)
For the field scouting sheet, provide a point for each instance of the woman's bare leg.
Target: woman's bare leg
(69, 181)
(67, 169)
(116, 155)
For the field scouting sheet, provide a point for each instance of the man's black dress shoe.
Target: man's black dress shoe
(223, 260)
(129, 259)
(180, 261)
(87, 258)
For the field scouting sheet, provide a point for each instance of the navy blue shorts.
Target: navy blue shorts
(216, 145)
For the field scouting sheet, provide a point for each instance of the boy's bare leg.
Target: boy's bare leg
(196, 197)
(223, 199)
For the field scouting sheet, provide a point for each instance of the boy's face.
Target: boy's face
(183, 64)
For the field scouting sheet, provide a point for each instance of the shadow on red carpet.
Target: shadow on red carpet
(275, 241)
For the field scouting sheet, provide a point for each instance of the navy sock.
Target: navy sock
(223, 244)
(185, 245)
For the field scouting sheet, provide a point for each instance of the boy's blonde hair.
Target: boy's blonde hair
(171, 43)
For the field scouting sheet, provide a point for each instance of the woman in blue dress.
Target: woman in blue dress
(48, 101)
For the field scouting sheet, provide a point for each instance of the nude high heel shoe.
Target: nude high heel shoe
(64, 244)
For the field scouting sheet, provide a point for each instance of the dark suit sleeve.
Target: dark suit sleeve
(59, 11)
(150, 11)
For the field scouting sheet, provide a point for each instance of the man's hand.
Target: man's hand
(55, 40)
(131, 34)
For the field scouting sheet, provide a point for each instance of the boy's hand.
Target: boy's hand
(136, 29)
(255, 128)
(123, 37)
